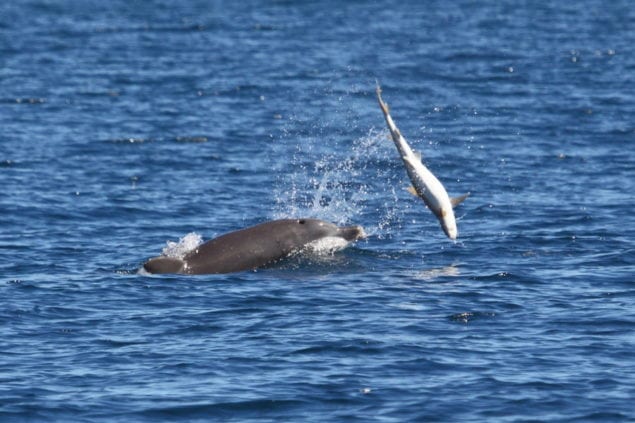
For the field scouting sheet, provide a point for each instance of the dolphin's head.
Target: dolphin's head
(352, 233)
(320, 229)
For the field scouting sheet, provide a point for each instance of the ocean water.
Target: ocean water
(127, 125)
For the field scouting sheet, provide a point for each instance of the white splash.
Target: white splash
(186, 244)
(334, 185)
(325, 246)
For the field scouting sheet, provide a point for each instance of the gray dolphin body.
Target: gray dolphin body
(253, 247)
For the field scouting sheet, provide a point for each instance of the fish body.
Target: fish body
(424, 184)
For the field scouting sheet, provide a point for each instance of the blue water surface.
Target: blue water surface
(128, 124)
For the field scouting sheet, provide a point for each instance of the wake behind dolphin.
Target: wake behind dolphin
(256, 246)
(424, 184)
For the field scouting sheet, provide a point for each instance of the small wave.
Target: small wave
(181, 139)
(119, 343)
(469, 316)
(186, 244)
(435, 273)
(23, 100)
(141, 271)
(355, 346)
(311, 263)
(409, 306)
(191, 139)
(131, 140)
(185, 27)
(250, 407)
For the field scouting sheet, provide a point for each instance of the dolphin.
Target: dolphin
(254, 247)
(424, 184)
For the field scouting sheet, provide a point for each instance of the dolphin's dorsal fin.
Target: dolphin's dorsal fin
(458, 200)
(412, 191)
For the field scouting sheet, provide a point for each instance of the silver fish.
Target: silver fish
(424, 184)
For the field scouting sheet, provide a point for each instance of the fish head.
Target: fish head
(448, 223)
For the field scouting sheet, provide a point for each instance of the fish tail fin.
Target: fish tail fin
(382, 104)
(394, 131)
(458, 200)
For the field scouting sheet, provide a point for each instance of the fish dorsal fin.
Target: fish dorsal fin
(417, 155)
(412, 191)
(458, 200)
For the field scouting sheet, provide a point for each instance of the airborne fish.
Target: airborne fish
(424, 184)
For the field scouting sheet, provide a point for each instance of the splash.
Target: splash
(325, 246)
(344, 184)
(186, 244)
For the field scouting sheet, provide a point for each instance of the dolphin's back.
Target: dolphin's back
(255, 246)
(243, 250)
(252, 247)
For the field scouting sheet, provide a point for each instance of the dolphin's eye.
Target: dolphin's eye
(301, 221)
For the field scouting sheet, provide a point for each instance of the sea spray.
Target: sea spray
(186, 244)
(333, 184)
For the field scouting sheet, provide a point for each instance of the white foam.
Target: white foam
(435, 273)
(326, 246)
(143, 272)
(186, 244)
